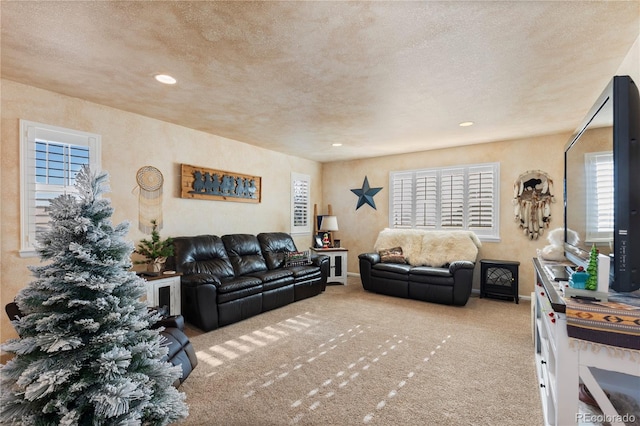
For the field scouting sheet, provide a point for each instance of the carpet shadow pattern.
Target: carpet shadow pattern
(349, 357)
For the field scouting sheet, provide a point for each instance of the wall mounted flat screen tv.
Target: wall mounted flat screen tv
(602, 185)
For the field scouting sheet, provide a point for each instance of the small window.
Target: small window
(51, 157)
(599, 177)
(300, 203)
(465, 197)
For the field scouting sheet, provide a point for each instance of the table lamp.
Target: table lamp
(328, 224)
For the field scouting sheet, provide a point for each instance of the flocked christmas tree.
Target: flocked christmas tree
(592, 270)
(86, 354)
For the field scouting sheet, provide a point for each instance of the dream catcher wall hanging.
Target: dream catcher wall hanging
(532, 198)
(150, 182)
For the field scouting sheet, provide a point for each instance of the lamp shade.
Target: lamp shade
(329, 223)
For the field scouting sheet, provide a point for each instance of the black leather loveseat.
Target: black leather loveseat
(449, 285)
(230, 278)
(433, 266)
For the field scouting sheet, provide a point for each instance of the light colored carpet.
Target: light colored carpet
(349, 357)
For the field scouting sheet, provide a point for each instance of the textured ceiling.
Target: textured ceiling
(379, 77)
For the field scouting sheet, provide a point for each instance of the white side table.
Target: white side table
(164, 290)
(337, 263)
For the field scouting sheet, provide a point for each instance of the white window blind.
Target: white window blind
(51, 157)
(403, 205)
(465, 197)
(599, 202)
(482, 187)
(300, 203)
(426, 200)
(452, 197)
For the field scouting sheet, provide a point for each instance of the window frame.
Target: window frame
(594, 208)
(30, 132)
(428, 183)
(298, 179)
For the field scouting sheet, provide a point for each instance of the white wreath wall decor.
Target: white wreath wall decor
(532, 198)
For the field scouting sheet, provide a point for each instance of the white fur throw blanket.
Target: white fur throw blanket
(430, 248)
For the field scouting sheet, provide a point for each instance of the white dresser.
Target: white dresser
(563, 362)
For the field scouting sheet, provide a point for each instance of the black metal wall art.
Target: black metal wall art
(365, 194)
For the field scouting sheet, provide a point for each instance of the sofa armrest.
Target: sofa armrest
(460, 264)
(367, 260)
(199, 293)
(372, 258)
(176, 321)
(462, 271)
(319, 259)
(322, 261)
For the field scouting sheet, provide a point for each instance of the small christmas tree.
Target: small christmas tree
(592, 269)
(86, 354)
(156, 250)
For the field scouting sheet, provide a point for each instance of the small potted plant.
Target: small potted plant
(156, 250)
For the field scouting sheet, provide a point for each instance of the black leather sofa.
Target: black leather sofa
(230, 278)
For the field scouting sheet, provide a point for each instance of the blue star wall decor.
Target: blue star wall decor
(365, 195)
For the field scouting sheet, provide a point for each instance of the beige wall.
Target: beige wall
(130, 141)
(359, 228)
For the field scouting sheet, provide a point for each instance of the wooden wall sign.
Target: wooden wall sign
(210, 184)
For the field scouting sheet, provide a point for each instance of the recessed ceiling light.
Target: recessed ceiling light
(166, 79)
(336, 144)
(466, 124)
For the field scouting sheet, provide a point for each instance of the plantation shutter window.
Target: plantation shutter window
(599, 202)
(403, 201)
(300, 203)
(56, 165)
(414, 200)
(464, 198)
(452, 194)
(481, 188)
(51, 157)
(426, 200)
